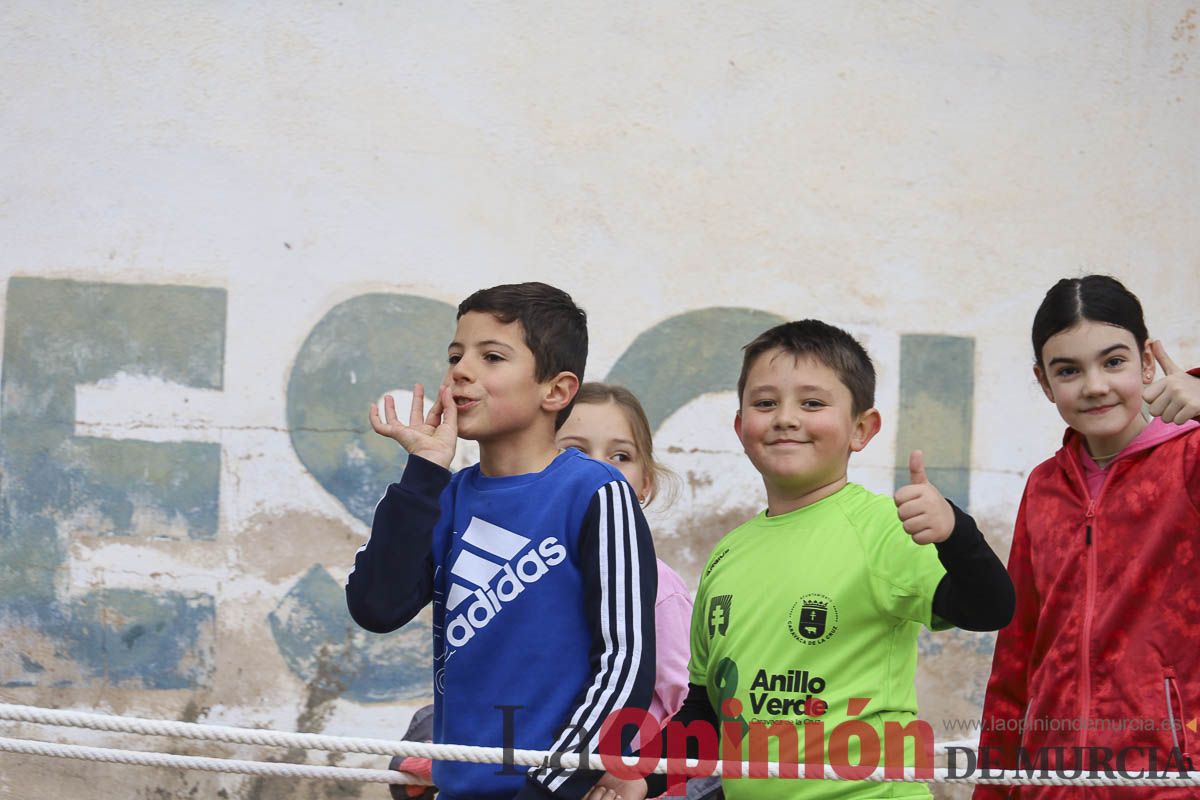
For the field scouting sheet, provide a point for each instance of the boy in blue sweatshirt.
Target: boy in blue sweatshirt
(538, 561)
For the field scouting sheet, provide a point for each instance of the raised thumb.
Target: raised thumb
(916, 467)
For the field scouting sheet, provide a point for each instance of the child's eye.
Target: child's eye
(1065, 372)
(812, 404)
(764, 404)
(1115, 361)
(493, 357)
(454, 358)
(621, 457)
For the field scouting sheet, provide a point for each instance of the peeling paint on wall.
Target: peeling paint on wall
(686, 356)
(59, 334)
(318, 639)
(937, 395)
(362, 348)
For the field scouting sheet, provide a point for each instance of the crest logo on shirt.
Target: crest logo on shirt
(718, 615)
(814, 619)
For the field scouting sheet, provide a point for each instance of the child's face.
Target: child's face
(1094, 373)
(602, 431)
(491, 378)
(797, 424)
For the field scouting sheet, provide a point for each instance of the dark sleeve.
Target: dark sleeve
(696, 708)
(620, 581)
(392, 577)
(976, 593)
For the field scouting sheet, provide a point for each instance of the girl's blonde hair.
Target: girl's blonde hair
(661, 477)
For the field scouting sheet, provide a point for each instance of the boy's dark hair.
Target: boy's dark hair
(555, 328)
(1097, 298)
(831, 346)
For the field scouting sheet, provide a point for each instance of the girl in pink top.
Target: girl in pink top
(608, 424)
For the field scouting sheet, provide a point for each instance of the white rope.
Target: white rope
(304, 741)
(206, 764)
(483, 755)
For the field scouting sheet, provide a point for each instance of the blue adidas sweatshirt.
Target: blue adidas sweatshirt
(543, 589)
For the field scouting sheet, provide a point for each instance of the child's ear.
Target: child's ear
(737, 425)
(865, 427)
(1148, 363)
(646, 490)
(560, 391)
(1040, 374)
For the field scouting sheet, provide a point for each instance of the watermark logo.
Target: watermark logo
(743, 749)
(1038, 724)
(1069, 763)
(853, 749)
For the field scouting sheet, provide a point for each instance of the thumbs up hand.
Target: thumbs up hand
(1176, 396)
(926, 515)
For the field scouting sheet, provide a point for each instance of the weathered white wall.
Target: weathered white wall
(898, 169)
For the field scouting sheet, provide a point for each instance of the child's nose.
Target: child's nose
(787, 418)
(1094, 383)
(460, 372)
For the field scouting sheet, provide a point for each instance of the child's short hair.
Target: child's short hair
(594, 392)
(1097, 298)
(555, 329)
(831, 346)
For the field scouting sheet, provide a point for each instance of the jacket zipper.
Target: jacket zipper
(1091, 532)
(1176, 720)
(1085, 645)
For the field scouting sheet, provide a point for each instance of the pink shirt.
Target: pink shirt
(672, 630)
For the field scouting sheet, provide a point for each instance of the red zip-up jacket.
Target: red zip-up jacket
(1104, 648)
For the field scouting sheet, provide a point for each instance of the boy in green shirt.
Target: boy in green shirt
(806, 618)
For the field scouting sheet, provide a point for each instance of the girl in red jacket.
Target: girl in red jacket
(1100, 667)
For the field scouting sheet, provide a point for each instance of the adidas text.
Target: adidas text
(510, 582)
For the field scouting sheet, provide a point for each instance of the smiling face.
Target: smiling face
(798, 426)
(602, 431)
(491, 378)
(1094, 373)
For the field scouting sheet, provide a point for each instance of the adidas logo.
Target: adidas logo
(511, 577)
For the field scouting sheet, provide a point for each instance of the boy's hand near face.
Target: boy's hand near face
(926, 515)
(433, 438)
